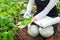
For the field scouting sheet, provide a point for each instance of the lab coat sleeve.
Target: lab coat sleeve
(30, 5)
(47, 9)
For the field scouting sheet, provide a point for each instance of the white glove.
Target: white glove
(27, 15)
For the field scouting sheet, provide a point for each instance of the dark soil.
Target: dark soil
(22, 35)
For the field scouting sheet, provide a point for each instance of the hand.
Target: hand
(20, 25)
(34, 19)
(27, 15)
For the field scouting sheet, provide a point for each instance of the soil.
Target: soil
(22, 35)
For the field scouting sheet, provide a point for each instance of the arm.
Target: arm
(29, 9)
(51, 4)
(47, 9)
(30, 5)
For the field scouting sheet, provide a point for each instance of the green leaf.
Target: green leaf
(5, 20)
(3, 28)
(15, 28)
(8, 35)
(26, 22)
(1, 35)
(22, 11)
(10, 24)
(3, 14)
(1, 21)
(11, 35)
(10, 18)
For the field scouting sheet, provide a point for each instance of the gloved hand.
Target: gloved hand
(27, 15)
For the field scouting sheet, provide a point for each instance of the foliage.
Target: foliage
(7, 26)
(58, 6)
(9, 10)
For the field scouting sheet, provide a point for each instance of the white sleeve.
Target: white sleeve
(51, 4)
(47, 9)
(30, 5)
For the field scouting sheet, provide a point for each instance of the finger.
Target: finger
(19, 23)
(21, 27)
(34, 19)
